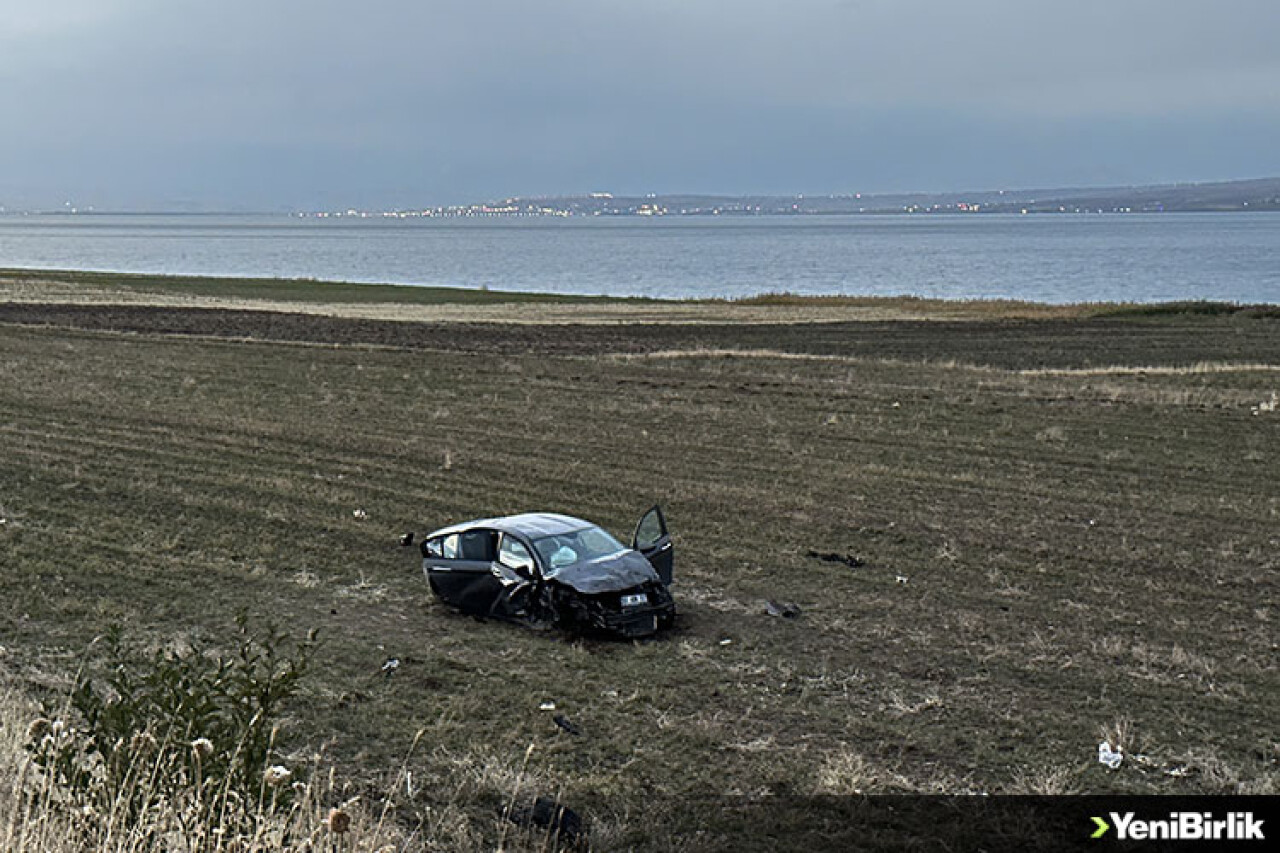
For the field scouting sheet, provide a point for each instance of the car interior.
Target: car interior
(479, 545)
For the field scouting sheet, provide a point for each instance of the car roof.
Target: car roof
(533, 525)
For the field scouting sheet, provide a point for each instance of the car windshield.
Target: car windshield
(566, 549)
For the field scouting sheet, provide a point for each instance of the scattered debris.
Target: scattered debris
(565, 723)
(783, 609)
(832, 557)
(390, 666)
(359, 514)
(1267, 405)
(406, 540)
(547, 706)
(548, 814)
(726, 641)
(902, 579)
(1108, 756)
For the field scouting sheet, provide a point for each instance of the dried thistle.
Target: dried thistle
(338, 821)
(201, 748)
(276, 775)
(38, 729)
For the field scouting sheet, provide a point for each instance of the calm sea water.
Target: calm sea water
(1068, 258)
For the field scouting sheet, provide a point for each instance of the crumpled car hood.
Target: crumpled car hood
(606, 574)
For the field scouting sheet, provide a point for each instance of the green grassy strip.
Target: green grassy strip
(1199, 307)
(299, 290)
(316, 291)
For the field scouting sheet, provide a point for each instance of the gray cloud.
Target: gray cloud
(292, 103)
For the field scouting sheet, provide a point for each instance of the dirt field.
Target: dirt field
(1178, 341)
(1059, 531)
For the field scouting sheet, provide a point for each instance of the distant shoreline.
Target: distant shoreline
(377, 215)
(1237, 196)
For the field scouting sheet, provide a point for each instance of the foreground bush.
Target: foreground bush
(169, 750)
(175, 751)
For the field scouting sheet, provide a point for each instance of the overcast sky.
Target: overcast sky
(301, 104)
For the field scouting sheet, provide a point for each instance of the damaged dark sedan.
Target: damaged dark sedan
(550, 569)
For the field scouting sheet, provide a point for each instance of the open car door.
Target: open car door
(652, 539)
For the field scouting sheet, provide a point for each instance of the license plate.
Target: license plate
(637, 600)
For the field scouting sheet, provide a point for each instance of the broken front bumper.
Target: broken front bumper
(605, 612)
(639, 623)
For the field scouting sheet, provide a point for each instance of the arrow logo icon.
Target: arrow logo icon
(1102, 825)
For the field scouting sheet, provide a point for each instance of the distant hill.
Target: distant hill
(1250, 195)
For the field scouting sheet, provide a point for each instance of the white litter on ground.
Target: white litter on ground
(1108, 756)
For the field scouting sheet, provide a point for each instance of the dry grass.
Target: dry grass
(1121, 735)
(844, 772)
(38, 816)
(298, 810)
(1045, 782)
(1198, 369)
(921, 307)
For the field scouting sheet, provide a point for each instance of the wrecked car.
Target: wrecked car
(548, 569)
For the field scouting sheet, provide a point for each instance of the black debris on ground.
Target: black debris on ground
(849, 560)
(549, 815)
(565, 723)
(782, 609)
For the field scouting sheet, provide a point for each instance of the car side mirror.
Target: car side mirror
(406, 540)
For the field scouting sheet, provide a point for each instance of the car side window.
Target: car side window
(478, 546)
(433, 547)
(514, 555)
(449, 547)
(650, 529)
